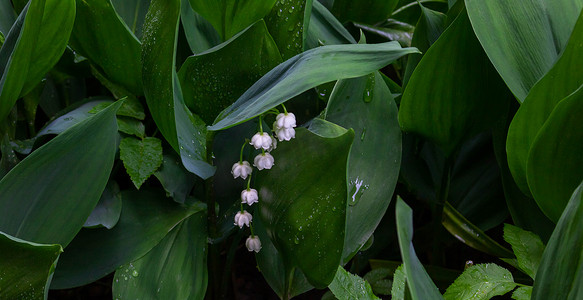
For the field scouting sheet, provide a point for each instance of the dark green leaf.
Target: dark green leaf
(418, 281)
(63, 178)
(174, 269)
(145, 220)
(286, 25)
(131, 126)
(141, 158)
(325, 28)
(367, 11)
(176, 180)
(213, 80)
(555, 166)
(75, 116)
(365, 104)
(26, 268)
(7, 16)
(350, 287)
(9, 159)
(303, 203)
(307, 70)
(557, 84)
(527, 247)
(481, 282)
(230, 17)
(522, 293)
(106, 213)
(200, 34)
(524, 42)
(560, 272)
(391, 30)
(132, 13)
(132, 108)
(442, 277)
(101, 36)
(449, 109)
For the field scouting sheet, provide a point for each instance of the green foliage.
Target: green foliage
(348, 286)
(482, 281)
(527, 247)
(141, 158)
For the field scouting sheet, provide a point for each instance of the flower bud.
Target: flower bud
(261, 141)
(263, 161)
(241, 169)
(243, 218)
(253, 243)
(249, 196)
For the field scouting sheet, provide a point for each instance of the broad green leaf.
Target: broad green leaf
(64, 178)
(146, 218)
(200, 34)
(230, 17)
(77, 115)
(185, 132)
(325, 28)
(26, 268)
(9, 159)
(523, 38)
(522, 293)
(133, 13)
(307, 70)
(554, 166)
(527, 247)
(141, 158)
(348, 286)
(174, 269)
(286, 25)
(451, 108)
(7, 16)
(100, 35)
(131, 126)
(399, 284)
(366, 105)
(39, 35)
(471, 235)
(558, 83)
(303, 203)
(213, 80)
(391, 30)
(106, 213)
(481, 282)
(368, 11)
(132, 108)
(442, 277)
(419, 283)
(176, 180)
(560, 272)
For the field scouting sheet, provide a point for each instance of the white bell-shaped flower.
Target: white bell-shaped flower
(253, 243)
(261, 141)
(286, 120)
(263, 161)
(249, 196)
(285, 134)
(273, 144)
(241, 169)
(243, 218)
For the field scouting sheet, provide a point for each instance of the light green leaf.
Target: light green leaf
(451, 108)
(325, 28)
(303, 203)
(307, 70)
(562, 80)
(525, 40)
(200, 34)
(346, 286)
(527, 247)
(420, 284)
(101, 36)
(146, 218)
(141, 158)
(230, 17)
(555, 166)
(174, 269)
(366, 105)
(133, 13)
(399, 284)
(64, 178)
(106, 213)
(26, 268)
(522, 293)
(560, 272)
(482, 281)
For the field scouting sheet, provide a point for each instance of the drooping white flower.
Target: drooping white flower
(253, 243)
(273, 144)
(285, 134)
(243, 218)
(263, 161)
(241, 169)
(249, 196)
(286, 120)
(261, 140)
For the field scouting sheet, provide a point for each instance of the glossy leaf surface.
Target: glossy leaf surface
(200, 34)
(349, 286)
(141, 158)
(133, 13)
(366, 105)
(174, 269)
(26, 268)
(481, 282)
(287, 25)
(325, 28)
(418, 281)
(108, 209)
(63, 178)
(145, 220)
(303, 203)
(527, 247)
(307, 70)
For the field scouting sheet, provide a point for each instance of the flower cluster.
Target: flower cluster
(283, 129)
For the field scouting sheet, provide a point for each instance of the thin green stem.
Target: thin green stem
(261, 124)
(249, 181)
(241, 154)
(251, 228)
(284, 110)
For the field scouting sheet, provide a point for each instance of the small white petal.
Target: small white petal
(263, 161)
(241, 169)
(242, 219)
(249, 196)
(285, 134)
(286, 120)
(253, 243)
(261, 141)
